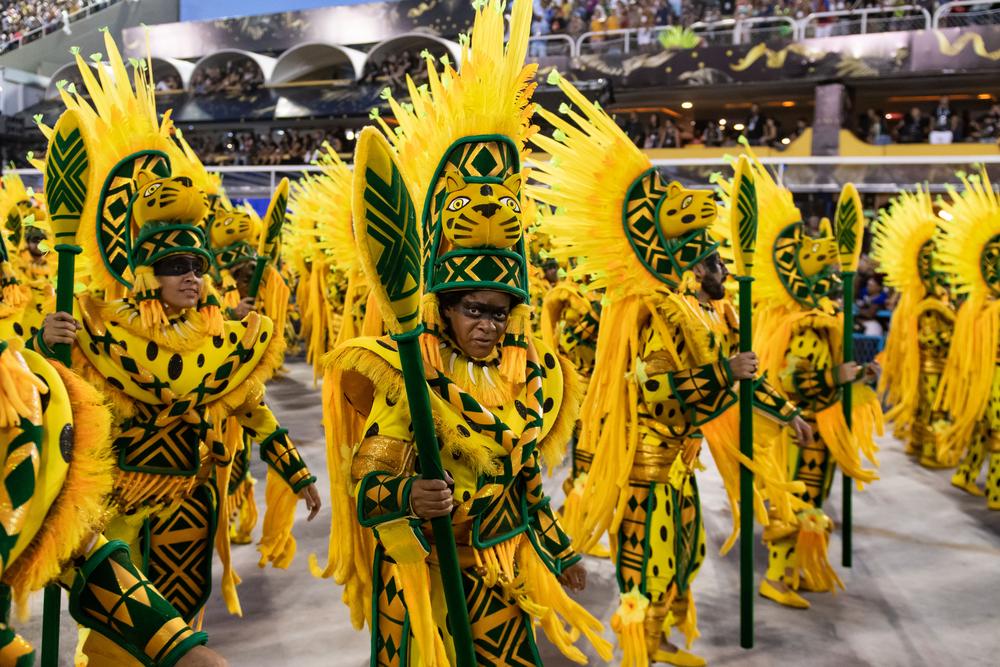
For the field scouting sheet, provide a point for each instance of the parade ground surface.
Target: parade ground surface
(924, 589)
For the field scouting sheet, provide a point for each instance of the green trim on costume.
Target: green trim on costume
(686, 566)
(192, 242)
(989, 263)
(647, 536)
(808, 291)
(391, 483)
(702, 393)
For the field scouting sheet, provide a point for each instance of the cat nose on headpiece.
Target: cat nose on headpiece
(486, 210)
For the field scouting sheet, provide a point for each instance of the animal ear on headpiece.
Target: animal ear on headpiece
(454, 181)
(143, 177)
(825, 228)
(674, 189)
(513, 183)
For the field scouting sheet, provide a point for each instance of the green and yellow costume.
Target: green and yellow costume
(798, 333)
(661, 380)
(970, 385)
(175, 382)
(903, 245)
(457, 158)
(23, 214)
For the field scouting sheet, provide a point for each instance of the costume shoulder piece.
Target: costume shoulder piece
(629, 230)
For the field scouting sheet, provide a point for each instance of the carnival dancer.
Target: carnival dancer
(665, 369)
(500, 399)
(903, 245)
(26, 226)
(799, 334)
(156, 345)
(970, 386)
(58, 476)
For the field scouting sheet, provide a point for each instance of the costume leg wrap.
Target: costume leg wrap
(993, 476)
(781, 561)
(390, 634)
(15, 651)
(501, 630)
(811, 465)
(112, 597)
(180, 549)
(972, 462)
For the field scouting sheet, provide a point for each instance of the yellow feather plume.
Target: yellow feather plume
(488, 95)
(586, 179)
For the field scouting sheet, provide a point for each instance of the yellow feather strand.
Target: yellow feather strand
(231, 436)
(244, 506)
(966, 382)
(81, 508)
(846, 445)
(209, 309)
(553, 447)
(609, 422)
(689, 626)
(20, 391)
(514, 357)
(629, 624)
(403, 546)
(812, 549)
(562, 619)
(430, 339)
(146, 291)
(274, 297)
(230, 292)
(350, 550)
(14, 294)
(277, 545)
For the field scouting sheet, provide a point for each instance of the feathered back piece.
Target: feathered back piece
(902, 244)
(969, 248)
(490, 94)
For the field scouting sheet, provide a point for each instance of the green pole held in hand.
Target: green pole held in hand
(849, 230)
(743, 232)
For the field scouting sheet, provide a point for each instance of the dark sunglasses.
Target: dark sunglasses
(180, 265)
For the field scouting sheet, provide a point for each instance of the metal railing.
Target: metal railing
(61, 22)
(966, 13)
(746, 31)
(552, 46)
(865, 21)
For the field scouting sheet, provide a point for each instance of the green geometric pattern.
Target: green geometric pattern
(746, 209)
(278, 209)
(115, 207)
(21, 456)
(66, 171)
(665, 259)
(477, 269)
(807, 290)
(989, 263)
(849, 221)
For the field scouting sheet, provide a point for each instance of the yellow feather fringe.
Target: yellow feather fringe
(232, 439)
(146, 290)
(513, 362)
(277, 545)
(846, 445)
(81, 508)
(19, 390)
(812, 554)
(629, 623)
(243, 509)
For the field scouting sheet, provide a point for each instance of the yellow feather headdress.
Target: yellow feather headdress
(902, 245)
(969, 248)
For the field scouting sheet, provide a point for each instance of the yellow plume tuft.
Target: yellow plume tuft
(488, 95)
(587, 177)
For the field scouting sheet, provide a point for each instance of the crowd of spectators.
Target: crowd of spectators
(20, 18)
(654, 131)
(941, 125)
(267, 147)
(235, 76)
(391, 71)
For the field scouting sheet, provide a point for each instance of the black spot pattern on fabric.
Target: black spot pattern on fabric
(175, 367)
(550, 361)
(385, 344)
(464, 432)
(521, 410)
(372, 430)
(233, 337)
(457, 455)
(663, 533)
(656, 570)
(18, 329)
(263, 336)
(116, 383)
(201, 360)
(66, 442)
(548, 404)
(152, 349)
(658, 409)
(389, 402)
(217, 341)
(652, 385)
(466, 496)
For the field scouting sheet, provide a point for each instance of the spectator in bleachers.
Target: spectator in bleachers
(874, 297)
(713, 134)
(801, 125)
(235, 76)
(770, 134)
(913, 128)
(874, 129)
(941, 131)
(754, 125)
(987, 128)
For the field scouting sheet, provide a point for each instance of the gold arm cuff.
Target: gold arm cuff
(379, 452)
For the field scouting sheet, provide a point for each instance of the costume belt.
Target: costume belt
(652, 463)
(932, 365)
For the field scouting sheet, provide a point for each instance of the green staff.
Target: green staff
(848, 228)
(743, 225)
(385, 224)
(67, 169)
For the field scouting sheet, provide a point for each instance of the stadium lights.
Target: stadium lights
(687, 105)
(786, 141)
(739, 127)
(722, 121)
(984, 96)
(349, 135)
(788, 103)
(945, 215)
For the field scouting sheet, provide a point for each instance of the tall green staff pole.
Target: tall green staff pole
(67, 168)
(743, 226)
(849, 229)
(388, 240)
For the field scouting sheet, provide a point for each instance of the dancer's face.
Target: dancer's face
(180, 278)
(478, 321)
(712, 273)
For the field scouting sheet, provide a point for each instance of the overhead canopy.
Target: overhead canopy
(318, 61)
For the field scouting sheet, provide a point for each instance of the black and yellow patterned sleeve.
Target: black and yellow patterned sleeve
(550, 541)
(815, 385)
(276, 448)
(769, 401)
